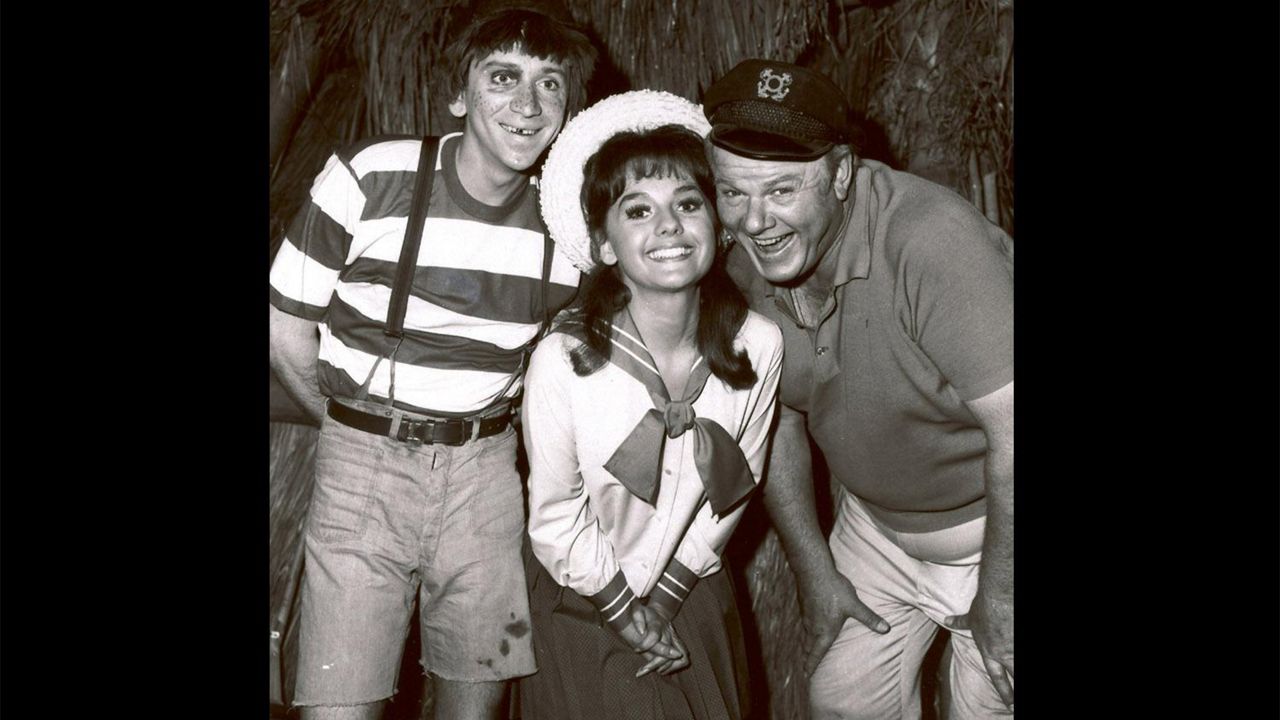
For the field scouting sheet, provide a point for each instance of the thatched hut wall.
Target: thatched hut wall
(931, 79)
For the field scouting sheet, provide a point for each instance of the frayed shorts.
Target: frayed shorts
(389, 520)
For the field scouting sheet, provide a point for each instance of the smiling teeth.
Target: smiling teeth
(770, 242)
(669, 253)
(518, 131)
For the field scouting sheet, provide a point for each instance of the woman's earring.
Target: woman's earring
(726, 239)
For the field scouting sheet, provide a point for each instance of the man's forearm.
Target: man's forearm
(302, 387)
(789, 499)
(995, 576)
(994, 413)
(294, 348)
(990, 616)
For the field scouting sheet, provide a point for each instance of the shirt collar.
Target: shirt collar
(854, 259)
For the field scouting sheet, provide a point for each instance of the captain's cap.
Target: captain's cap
(770, 110)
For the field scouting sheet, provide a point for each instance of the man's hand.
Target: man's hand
(827, 598)
(992, 625)
(294, 347)
(651, 635)
(825, 603)
(990, 615)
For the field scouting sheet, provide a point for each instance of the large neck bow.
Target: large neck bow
(637, 463)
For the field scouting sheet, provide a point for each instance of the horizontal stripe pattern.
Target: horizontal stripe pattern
(673, 588)
(389, 194)
(397, 154)
(319, 236)
(293, 307)
(466, 245)
(614, 602)
(337, 194)
(423, 389)
(484, 297)
(302, 279)
(343, 386)
(476, 299)
(386, 171)
(427, 348)
(369, 301)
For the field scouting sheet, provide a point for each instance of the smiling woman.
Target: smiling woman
(632, 501)
(661, 230)
(652, 229)
(660, 234)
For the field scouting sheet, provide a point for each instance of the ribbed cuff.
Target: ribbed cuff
(673, 588)
(614, 602)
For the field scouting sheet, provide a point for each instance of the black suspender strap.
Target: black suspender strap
(548, 248)
(412, 239)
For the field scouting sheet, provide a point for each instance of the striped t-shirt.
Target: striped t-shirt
(476, 299)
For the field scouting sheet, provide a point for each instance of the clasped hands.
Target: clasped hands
(651, 634)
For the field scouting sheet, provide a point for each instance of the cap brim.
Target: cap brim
(766, 146)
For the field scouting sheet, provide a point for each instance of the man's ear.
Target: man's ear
(844, 172)
(458, 108)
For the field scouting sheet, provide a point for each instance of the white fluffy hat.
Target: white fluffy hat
(561, 183)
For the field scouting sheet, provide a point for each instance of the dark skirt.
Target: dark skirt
(587, 672)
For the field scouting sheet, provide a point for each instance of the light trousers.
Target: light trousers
(877, 677)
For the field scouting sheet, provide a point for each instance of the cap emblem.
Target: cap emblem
(773, 86)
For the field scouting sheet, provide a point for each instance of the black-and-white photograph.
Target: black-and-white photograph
(645, 359)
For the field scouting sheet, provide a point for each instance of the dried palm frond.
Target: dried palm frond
(936, 75)
(292, 458)
(334, 119)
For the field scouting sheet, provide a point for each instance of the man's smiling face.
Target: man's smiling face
(514, 106)
(786, 214)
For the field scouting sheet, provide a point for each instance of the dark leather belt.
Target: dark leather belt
(423, 431)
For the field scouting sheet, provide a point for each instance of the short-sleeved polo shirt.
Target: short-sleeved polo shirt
(920, 321)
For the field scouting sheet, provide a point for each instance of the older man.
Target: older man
(895, 297)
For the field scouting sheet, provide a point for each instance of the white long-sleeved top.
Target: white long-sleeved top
(585, 526)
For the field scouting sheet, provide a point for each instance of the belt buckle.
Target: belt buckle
(463, 434)
(408, 431)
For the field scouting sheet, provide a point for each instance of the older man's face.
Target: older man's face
(786, 214)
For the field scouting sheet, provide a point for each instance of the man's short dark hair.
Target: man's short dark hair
(532, 33)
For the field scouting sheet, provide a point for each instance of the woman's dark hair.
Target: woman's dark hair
(666, 151)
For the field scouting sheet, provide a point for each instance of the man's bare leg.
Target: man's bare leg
(457, 700)
(367, 711)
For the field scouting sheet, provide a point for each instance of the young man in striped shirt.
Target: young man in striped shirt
(416, 487)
